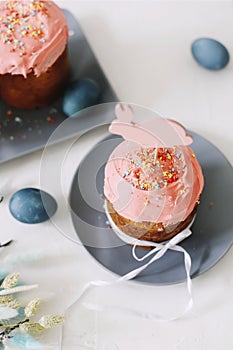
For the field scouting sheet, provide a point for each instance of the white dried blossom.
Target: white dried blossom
(50, 321)
(13, 304)
(6, 299)
(31, 328)
(32, 307)
(10, 281)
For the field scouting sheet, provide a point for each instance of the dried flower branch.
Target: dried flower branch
(24, 329)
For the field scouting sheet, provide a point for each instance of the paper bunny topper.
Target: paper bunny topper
(155, 132)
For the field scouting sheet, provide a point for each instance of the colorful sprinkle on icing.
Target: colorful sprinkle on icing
(15, 26)
(152, 168)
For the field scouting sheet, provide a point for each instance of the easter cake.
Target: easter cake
(34, 64)
(152, 184)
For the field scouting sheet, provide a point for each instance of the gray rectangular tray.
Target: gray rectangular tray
(22, 132)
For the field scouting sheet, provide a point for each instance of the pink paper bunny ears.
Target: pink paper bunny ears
(156, 132)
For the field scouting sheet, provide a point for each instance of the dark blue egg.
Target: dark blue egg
(210, 53)
(32, 206)
(80, 94)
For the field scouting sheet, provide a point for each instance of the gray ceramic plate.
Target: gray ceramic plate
(212, 231)
(22, 131)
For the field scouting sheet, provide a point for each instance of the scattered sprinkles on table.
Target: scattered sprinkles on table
(16, 25)
(16, 126)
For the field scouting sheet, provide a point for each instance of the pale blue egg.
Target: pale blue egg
(210, 53)
(32, 206)
(80, 94)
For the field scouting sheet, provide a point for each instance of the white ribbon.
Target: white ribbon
(159, 250)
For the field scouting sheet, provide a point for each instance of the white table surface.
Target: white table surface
(144, 49)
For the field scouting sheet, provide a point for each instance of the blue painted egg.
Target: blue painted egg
(80, 94)
(210, 53)
(32, 206)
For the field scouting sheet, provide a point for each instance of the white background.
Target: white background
(144, 49)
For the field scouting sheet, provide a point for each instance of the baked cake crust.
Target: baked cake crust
(148, 231)
(36, 91)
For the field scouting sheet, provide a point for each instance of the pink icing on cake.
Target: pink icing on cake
(157, 184)
(33, 35)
